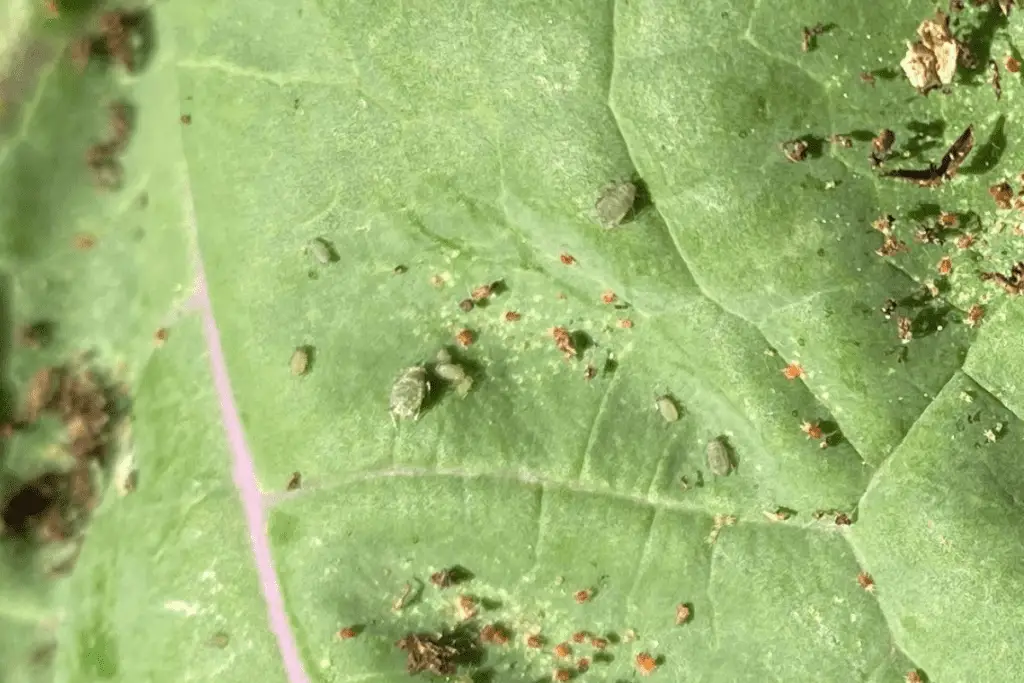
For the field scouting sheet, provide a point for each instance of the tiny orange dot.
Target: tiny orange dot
(626, 323)
(567, 259)
(512, 316)
(562, 650)
(347, 633)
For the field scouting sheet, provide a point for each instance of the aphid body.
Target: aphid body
(408, 393)
(615, 202)
(321, 252)
(718, 458)
(667, 407)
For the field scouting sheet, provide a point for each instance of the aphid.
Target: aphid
(599, 643)
(579, 637)
(1002, 193)
(608, 297)
(408, 393)
(567, 259)
(881, 145)
(561, 675)
(841, 140)
(719, 461)
(808, 35)
(450, 372)
(892, 246)
(866, 582)
(945, 265)
(615, 202)
(465, 607)
(1010, 64)
(947, 168)
(511, 316)
(534, 641)
(186, 119)
(645, 663)
(792, 371)
(888, 308)
(464, 337)
(348, 633)
(811, 429)
(320, 250)
(160, 336)
(914, 677)
(683, 613)
(562, 650)
(997, 85)
(795, 150)
(466, 305)
(299, 363)
(667, 406)
(904, 329)
(964, 241)
(974, 315)
(294, 482)
(582, 596)
(626, 324)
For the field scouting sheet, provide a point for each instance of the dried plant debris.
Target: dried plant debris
(294, 482)
(615, 202)
(997, 86)
(1012, 283)
(719, 523)
(931, 61)
(795, 150)
(1011, 64)
(881, 146)
(1002, 194)
(891, 246)
(903, 329)
(947, 168)
(437, 654)
(809, 34)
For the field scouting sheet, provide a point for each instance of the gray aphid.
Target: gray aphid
(300, 361)
(615, 202)
(408, 393)
(666, 405)
(321, 251)
(718, 458)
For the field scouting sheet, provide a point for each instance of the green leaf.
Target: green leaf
(438, 147)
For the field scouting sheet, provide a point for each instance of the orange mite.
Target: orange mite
(534, 641)
(160, 336)
(582, 664)
(866, 582)
(946, 218)
(599, 643)
(626, 323)
(645, 663)
(567, 259)
(914, 677)
(84, 241)
(347, 633)
(964, 241)
(582, 596)
(562, 650)
(945, 265)
(793, 371)
(512, 316)
(811, 429)
(561, 675)
(464, 337)
(482, 292)
(579, 637)
(608, 297)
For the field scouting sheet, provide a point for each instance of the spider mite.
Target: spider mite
(645, 663)
(465, 607)
(482, 292)
(792, 371)
(608, 297)
(683, 613)
(947, 218)
(1011, 64)
(812, 430)
(466, 305)
(582, 596)
(567, 259)
(914, 677)
(464, 337)
(348, 633)
(599, 643)
(866, 582)
(842, 519)
(561, 675)
(511, 316)
(186, 119)
(626, 324)
(964, 241)
(583, 664)
(579, 637)
(564, 342)
(974, 315)
(562, 650)
(945, 265)
(534, 641)
(867, 77)
(160, 336)
(795, 150)
(493, 634)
